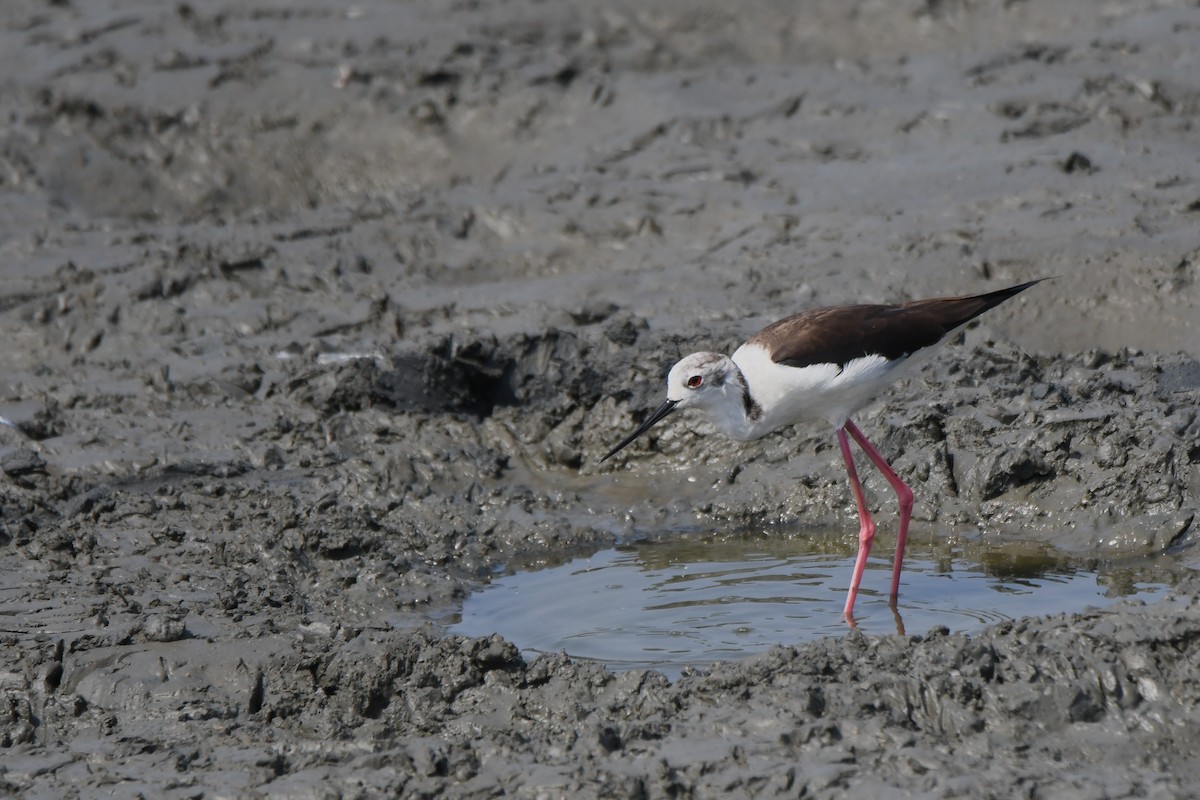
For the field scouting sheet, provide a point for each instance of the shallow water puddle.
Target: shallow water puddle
(689, 601)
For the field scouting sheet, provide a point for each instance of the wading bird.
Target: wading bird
(824, 364)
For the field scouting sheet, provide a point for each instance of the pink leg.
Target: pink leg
(866, 530)
(904, 496)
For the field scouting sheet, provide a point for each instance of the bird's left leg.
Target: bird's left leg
(904, 496)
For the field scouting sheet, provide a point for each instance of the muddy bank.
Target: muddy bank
(316, 318)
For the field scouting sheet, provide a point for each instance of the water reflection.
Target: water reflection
(692, 599)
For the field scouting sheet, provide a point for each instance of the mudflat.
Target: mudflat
(316, 316)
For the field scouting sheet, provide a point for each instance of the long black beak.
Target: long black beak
(659, 413)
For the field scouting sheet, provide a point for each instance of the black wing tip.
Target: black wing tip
(997, 297)
(987, 301)
(1020, 287)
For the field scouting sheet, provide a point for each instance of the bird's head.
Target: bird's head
(700, 380)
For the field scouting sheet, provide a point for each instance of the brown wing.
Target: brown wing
(841, 334)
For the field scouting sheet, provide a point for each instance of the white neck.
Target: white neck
(734, 413)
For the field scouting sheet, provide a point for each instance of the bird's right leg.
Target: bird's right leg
(866, 530)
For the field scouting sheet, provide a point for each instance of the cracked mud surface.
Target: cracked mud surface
(317, 316)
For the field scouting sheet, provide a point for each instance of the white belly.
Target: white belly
(787, 395)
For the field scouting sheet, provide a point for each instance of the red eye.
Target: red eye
(695, 381)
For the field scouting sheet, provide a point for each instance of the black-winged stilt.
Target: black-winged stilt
(824, 364)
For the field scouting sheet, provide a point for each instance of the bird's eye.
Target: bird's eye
(695, 381)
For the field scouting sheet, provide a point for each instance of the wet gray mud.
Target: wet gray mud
(315, 316)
